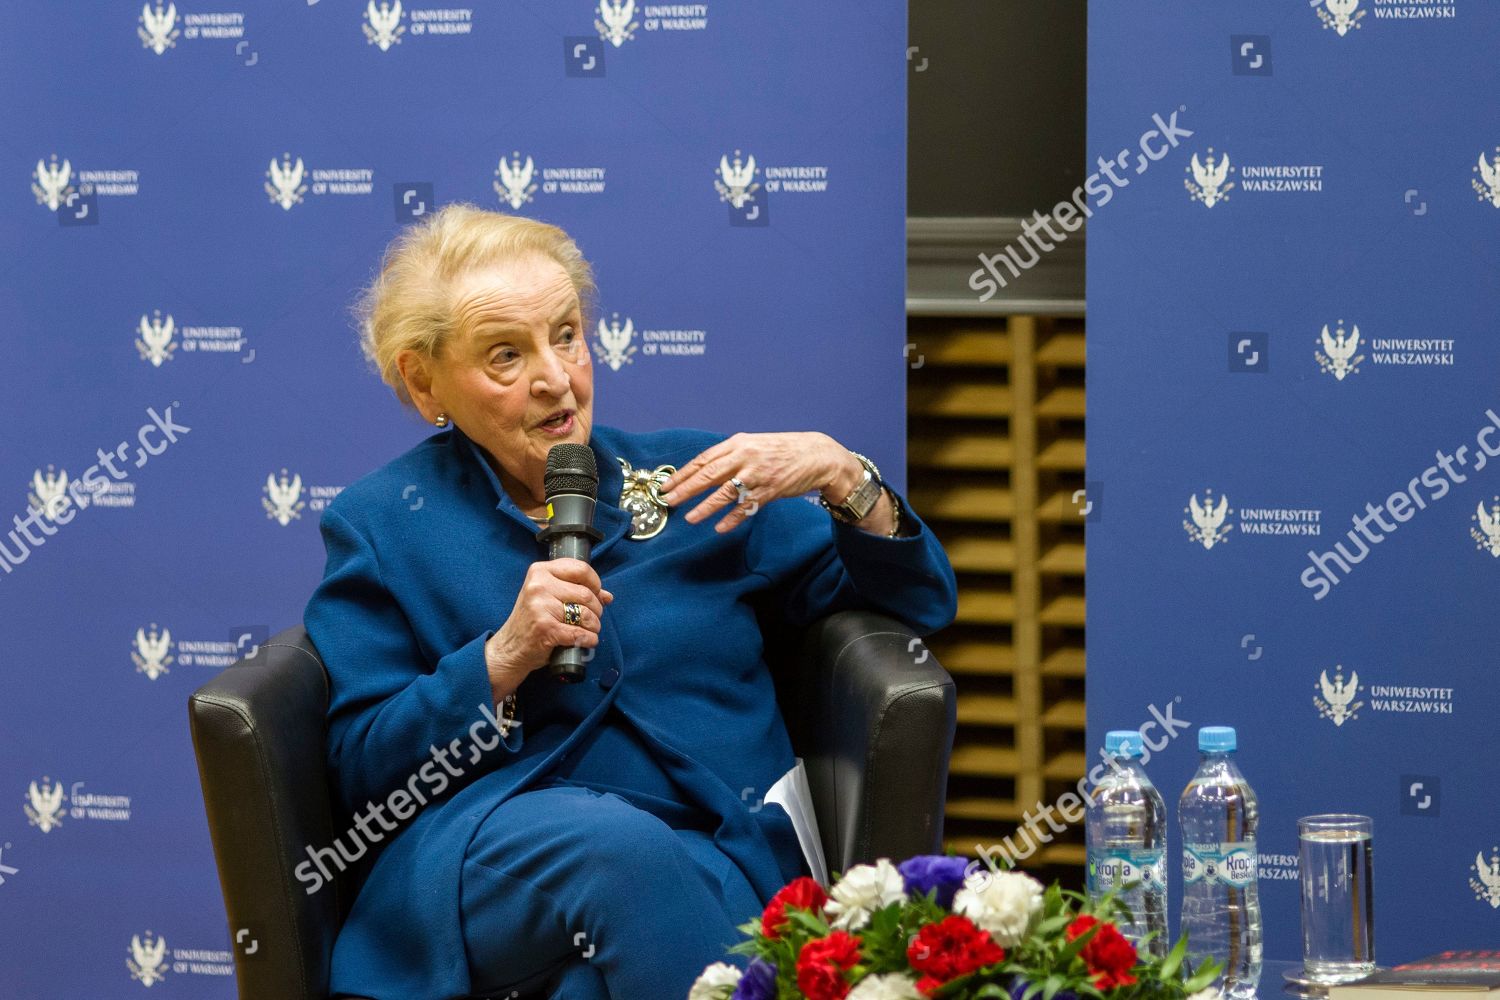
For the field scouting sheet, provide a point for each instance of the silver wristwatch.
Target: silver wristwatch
(858, 504)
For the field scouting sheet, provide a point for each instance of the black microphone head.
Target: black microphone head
(571, 469)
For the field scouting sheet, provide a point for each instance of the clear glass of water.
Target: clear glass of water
(1338, 908)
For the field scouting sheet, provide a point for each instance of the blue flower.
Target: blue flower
(758, 982)
(934, 871)
(1018, 989)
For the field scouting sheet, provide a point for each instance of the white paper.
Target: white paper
(794, 795)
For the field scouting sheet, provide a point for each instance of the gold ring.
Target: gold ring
(572, 613)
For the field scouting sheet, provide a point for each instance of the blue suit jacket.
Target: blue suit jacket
(418, 579)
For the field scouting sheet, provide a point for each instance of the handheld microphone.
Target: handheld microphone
(571, 484)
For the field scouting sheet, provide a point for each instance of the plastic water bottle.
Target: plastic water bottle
(1220, 905)
(1127, 840)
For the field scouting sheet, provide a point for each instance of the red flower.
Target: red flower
(950, 948)
(821, 965)
(1109, 956)
(804, 893)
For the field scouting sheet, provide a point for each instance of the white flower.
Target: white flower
(716, 983)
(891, 986)
(863, 890)
(1003, 903)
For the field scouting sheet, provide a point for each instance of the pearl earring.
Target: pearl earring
(442, 420)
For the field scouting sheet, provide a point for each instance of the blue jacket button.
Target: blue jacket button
(608, 678)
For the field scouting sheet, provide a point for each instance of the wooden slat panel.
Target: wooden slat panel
(1062, 350)
(1062, 401)
(967, 502)
(1064, 559)
(1066, 609)
(1064, 453)
(986, 709)
(971, 656)
(1064, 663)
(1059, 506)
(977, 554)
(1067, 766)
(994, 458)
(1064, 715)
(971, 451)
(1063, 854)
(986, 606)
(981, 759)
(996, 810)
(959, 348)
(959, 399)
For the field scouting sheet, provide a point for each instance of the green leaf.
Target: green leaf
(1202, 978)
(1174, 957)
(1052, 925)
(1050, 988)
(816, 926)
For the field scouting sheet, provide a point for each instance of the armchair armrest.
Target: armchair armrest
(258, 731)
(878, 714)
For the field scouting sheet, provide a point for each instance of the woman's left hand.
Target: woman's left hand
(770, 466)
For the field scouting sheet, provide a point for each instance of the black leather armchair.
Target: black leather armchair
(869, 709)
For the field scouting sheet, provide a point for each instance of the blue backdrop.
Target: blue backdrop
(1340, 182)
(155, 258)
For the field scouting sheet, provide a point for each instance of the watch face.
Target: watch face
(865, 497)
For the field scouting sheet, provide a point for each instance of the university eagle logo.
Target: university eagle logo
(383, 25)
(1337, 703)
(147, 961)
(44, 805)
(50, 183)
(283, 500)
(1207, 526)
(612, 343)
(152, 651)
(1210, 179)
(1340, 15)
(1488, 184)
(47, 492)
(736, 181)
(1486, 880)
(284, 183)
(158, 31)
(615, 22)
(513, 183)
(1487, 536)
(155, 341)
(1337, 358)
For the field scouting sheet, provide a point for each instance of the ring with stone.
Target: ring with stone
(572, 613)
(744, 495)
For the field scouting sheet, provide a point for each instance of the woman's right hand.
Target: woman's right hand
(536, 626)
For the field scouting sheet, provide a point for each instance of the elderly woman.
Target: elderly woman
(594, 838)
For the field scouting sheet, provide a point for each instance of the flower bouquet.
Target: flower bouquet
(943, 928)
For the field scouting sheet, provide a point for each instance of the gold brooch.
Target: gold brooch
(640, 496)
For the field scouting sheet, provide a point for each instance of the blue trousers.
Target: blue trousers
(594, 893)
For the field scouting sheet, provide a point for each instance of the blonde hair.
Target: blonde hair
(408, 306)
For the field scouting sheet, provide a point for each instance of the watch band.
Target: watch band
(861, 500)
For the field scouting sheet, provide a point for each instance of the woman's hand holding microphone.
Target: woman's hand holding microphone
(538, 622)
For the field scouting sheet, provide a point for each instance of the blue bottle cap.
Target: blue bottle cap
(1122, 743)
(1217, 739)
